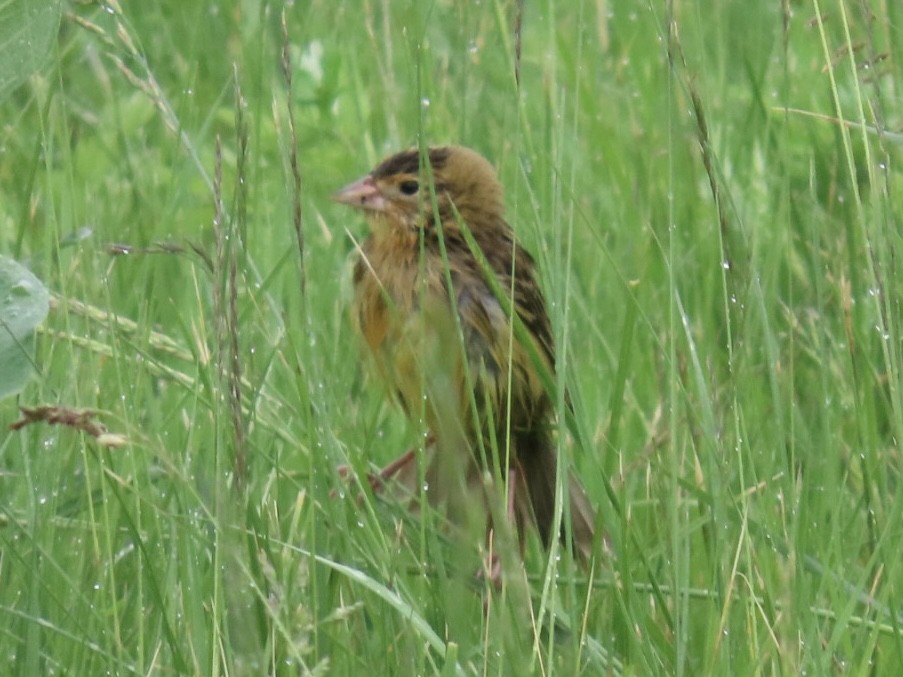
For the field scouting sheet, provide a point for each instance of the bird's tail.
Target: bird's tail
(537, 458)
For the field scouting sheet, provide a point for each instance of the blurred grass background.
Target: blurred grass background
(709, 191)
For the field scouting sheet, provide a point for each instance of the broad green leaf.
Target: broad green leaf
(27, 29)
(24, 303)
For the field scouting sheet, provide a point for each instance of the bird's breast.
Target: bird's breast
(384, 278)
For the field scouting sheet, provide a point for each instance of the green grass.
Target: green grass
(709, 191)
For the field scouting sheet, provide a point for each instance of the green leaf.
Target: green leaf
(24, 303)
(27, 29)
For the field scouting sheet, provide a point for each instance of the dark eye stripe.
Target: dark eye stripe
(408, 162)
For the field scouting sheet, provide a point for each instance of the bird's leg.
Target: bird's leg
(492, 565)
(492, 568)
(378, 479)
(388, 472)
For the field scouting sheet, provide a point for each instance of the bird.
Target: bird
(449, 309)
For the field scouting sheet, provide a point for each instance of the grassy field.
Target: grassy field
(709, 191)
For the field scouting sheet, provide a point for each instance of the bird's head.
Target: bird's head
(397, 191)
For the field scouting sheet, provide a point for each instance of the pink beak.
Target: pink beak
(362, 194)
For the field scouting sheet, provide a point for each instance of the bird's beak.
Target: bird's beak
(363, 194)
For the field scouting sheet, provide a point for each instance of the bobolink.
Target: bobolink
(435, 286)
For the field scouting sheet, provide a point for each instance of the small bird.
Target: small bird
(436, 285)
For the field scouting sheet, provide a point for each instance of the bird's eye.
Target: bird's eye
(409, 187)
